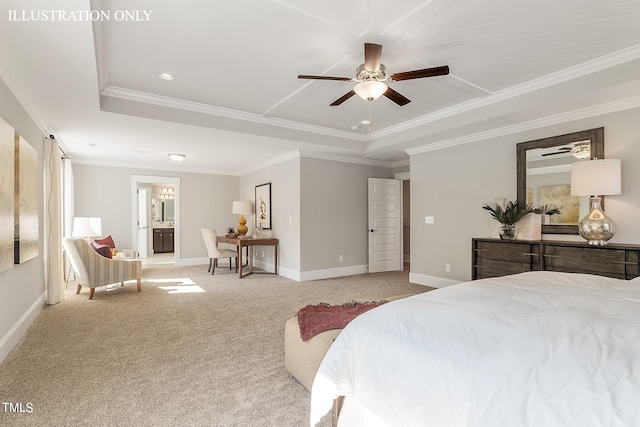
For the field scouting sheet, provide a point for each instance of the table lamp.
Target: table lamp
(242, 208)
(86, 228)
(596, 178)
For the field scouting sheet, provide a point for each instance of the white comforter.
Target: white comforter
(535, 349)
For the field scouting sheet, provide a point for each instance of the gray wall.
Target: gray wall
(205, 201)
(22, 287)
(452, 184)
(334, 213)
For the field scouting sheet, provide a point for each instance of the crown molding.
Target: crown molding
(198, 107)
(345, 159)
(324, 156)
(584, 113)
(271, 162)
(149, 168)
(400, 163)
(598, 64)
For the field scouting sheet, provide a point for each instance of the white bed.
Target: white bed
(535, 349)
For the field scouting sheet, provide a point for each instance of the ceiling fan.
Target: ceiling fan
(371, 77)
(579, 149)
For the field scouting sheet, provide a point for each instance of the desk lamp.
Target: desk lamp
(596, 178)
(242, 208)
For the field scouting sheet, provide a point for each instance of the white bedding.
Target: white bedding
(535, 349)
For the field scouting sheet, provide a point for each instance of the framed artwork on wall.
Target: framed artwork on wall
(26, 201)
(263, 206)
(7, 196)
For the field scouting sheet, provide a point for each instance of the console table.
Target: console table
(250, 242)
(495, 257)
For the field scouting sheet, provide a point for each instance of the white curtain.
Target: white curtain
(53, 269)
(68, 212)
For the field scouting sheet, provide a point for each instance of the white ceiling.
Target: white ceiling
(236, 102)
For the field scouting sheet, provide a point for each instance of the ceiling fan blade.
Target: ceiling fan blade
(342, 98)
(561, 150)
(419, 74)
(372, 55)
(342, 79)
(396, 97)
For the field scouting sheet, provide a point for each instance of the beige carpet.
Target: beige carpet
(190, 349)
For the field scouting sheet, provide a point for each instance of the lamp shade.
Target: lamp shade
(241, 208)
(87, 227)
(596, 177)
(370, 89)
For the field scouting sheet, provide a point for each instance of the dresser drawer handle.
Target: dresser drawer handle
(551, 256)
(530, 253)
(625, 262)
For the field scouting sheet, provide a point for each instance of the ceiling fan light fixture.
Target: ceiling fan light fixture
(370, 90)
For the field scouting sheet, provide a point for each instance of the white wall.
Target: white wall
(205, 201)
(453, 183)
(22, 288)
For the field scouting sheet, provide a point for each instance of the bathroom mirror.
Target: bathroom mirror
(543, 169)
(163, 210)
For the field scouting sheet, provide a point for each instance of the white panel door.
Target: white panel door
(143, 221)
(385, 225)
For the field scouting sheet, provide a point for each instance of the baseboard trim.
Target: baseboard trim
(333, 272)
(289, 274)
(17, 331)
(433, 281)
(298, 276)
(187, 262)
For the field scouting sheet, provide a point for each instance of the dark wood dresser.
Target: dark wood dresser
(494, 257)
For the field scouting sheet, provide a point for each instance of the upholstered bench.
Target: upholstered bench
(302, 358)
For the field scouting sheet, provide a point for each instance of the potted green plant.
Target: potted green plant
(509, 215)
(230, 232)
(547, 210)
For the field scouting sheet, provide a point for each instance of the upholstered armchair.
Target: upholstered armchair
(93, 270)
(211, 242)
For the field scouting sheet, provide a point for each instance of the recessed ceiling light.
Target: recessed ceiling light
(177, 157)
(165, 76)
(365, 122)
(355, 127)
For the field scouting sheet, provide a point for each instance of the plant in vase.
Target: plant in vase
(231, 232)
(509, 215)
(548, 210)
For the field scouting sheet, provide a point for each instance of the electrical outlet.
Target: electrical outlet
(340, 258)
(262, 254)
(447, 268)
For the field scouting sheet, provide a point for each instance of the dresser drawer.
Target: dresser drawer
(494, 259)
(589, 260)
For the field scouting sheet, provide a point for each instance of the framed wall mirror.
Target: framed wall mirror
(543, 171)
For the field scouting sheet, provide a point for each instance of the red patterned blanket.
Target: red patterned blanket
(314, 319)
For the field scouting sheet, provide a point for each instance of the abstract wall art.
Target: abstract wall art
(26, 201)
(7, 212)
